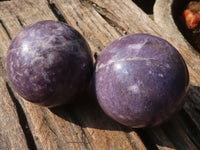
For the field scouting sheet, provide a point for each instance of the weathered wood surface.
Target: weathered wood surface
(83, 125)
(164, 14)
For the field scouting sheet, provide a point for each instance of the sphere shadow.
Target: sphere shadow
(86, 113)
(183, 125)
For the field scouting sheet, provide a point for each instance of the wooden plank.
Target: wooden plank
(84, 125)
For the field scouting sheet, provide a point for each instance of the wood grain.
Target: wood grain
(83, 125)
(10, 127)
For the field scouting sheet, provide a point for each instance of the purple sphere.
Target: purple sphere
(140, 80)
(49, 63)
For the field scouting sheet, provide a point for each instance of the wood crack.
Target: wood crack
(4, 27)
(56, 11)
(106, 15)
(20, 22)
(22, 120)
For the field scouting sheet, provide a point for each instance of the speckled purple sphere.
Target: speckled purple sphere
(49, 63)
(140, 80)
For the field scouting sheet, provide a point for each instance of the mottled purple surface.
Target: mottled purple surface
(49, 63)
(140, 80)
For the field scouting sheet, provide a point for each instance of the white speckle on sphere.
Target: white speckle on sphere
(51, 58)
(148, 62)
(84, 65)
(160, 75)
(125, 71)
(11, 66)
(121, 116)
(26, 72)
(100, 79)
(136, 46)
(150, 72)
(19, 74)
(107, 67)
(134, 88)
(168, 66)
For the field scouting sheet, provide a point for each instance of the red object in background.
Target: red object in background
(192, 19)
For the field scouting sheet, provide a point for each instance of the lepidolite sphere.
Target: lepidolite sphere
(140, 80)
(49, 63)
